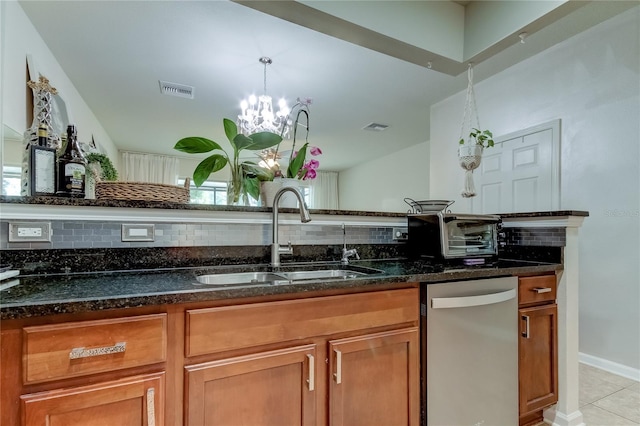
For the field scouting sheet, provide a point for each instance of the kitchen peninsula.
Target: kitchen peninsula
(168, 302)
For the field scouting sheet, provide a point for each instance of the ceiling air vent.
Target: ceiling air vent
(175, 89)
(375, 127)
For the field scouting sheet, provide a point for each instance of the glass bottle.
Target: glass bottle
(72, 167)
(42, 167)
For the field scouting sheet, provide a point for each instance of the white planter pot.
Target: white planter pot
(269, 189)
(469, 157)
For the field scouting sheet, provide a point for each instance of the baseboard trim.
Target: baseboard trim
(610, 366)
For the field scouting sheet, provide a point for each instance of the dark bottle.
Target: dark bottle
(42, 135)
(71, 167)
(42, 165)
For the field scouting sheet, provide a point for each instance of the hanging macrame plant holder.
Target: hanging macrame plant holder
(469, 153)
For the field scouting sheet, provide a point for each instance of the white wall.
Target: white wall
(382, 184)
(21, 39)
(592, 83)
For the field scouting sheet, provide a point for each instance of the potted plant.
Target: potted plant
(484, 138)
(245, 175)
(297, 168)
(470, 155)
(99, 168)
(103, 168)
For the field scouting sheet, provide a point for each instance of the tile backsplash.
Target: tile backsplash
(92, 234)
(550, 237)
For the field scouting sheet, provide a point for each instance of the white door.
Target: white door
(521, 173)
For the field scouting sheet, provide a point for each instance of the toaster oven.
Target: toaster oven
(453, 236)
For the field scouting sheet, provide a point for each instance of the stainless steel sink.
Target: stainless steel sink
(291, 275)
(321, 274)
(238, 278)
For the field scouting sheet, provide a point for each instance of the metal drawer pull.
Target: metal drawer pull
(338, 373)
(525, 334)
(312, 371)
(106, 350)
(151, 407)
(470, 301)
(541, 290)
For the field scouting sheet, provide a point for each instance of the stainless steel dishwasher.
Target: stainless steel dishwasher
(470, 353)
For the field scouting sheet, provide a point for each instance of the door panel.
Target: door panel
(264, 389)
(521, 172)
(375, 379)
(136, 401)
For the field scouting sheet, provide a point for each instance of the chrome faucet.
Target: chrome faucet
(276, 250)
(346, 254)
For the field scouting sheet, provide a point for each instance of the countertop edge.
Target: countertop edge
(30, 310)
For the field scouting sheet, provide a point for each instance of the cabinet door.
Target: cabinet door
(272, 388)
(135, 401)
(538, 353)
(375, 379)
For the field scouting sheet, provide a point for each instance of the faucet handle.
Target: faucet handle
(286, 250)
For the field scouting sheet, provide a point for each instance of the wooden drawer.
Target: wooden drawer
(73, 349)
(537, 289)
(234, 327)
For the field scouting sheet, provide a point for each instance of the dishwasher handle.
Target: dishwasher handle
(469, 301)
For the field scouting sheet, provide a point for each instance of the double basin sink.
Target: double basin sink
(286, 275)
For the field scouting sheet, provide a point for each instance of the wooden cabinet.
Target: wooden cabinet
(80, 348)
(135, 401)
(538, 347)
(374, 379)
(269, 388)
(344, 359)
(93, 372)
(340, 360)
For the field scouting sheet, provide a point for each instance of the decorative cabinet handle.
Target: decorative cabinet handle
(338, 374)
(540, 290)
(525, 334)
(106, 350)
(151, 407)
(312, 371)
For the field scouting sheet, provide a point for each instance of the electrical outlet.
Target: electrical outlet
(36, 232)
(400, 234)
(138, 232)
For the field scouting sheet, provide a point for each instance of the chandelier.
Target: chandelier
(258, 114)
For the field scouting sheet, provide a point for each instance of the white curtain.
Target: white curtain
(324, 191)
(149, 168)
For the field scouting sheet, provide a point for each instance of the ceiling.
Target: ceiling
(361, 62)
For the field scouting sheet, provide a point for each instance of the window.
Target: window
(11, 178)
(211, 192)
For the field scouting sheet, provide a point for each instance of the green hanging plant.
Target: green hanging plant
(483, 138)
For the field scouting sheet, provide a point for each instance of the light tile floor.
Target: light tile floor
(607, 399)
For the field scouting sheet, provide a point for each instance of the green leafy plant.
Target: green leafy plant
(245, 175)
(483, 138)
(109, 172)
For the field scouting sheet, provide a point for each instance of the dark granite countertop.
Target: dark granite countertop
(63, 201)
(555, 213)
(80, 202)
(39, 295)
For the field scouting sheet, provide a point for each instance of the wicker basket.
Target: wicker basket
(142, 191)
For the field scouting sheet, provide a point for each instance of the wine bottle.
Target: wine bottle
(42, 165)
(42, 135)
(71, 167)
